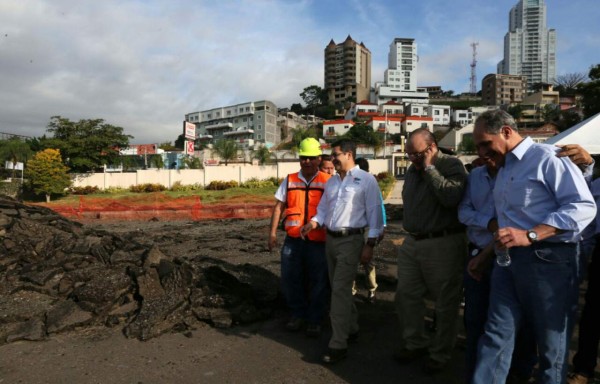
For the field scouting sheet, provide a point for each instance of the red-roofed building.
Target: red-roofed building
(333, 128)
(378, 123)
(412, 123)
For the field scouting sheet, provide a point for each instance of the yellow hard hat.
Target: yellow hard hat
(309, 147)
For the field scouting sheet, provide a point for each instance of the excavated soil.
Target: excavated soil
(172, 301)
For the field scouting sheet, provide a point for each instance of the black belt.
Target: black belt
(346, 232)
(433, 235)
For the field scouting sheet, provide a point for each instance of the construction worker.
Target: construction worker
(303, 260)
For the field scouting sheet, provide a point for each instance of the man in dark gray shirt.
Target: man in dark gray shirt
(430, 260)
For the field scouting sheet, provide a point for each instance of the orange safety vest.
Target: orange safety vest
(301, 205)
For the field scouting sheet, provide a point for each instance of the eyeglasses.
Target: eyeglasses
(302, 158)
(418, 155)
(335, 155)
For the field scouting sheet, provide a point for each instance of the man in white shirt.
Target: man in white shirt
(351, 203)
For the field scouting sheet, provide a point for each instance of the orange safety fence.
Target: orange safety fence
(162, 207)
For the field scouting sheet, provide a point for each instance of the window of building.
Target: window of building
(259, 127)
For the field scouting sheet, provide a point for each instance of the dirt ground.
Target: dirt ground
(262, 352)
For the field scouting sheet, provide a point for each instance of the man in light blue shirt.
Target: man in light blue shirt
(351, 203)
(542, 204)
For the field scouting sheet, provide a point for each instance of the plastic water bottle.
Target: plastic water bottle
(502, 256)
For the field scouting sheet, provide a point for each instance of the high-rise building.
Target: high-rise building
(402, 65)
(347, 71)
(400, 78)
(529, 46)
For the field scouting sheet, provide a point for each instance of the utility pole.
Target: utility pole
(473, 89)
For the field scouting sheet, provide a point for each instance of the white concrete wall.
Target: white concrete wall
(239, 173)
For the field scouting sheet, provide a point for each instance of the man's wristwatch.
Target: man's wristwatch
(430, 167)
(532, 236)
(371, 243)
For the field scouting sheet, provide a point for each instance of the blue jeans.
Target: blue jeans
(539, 287)
(304, 278)
(477, 298)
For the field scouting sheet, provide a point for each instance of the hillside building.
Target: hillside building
(347, 72)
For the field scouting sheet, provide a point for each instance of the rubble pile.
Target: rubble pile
(57, 275)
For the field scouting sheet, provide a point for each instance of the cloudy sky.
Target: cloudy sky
(143, 64)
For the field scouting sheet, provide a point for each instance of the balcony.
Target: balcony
(219, 126)
(240, 131)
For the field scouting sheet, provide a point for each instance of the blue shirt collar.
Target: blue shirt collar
(521, 148)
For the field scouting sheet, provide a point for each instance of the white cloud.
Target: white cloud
(143, 65)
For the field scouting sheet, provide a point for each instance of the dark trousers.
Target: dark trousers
(584, 361)
(304, 278)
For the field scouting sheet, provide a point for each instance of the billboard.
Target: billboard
(189, 130)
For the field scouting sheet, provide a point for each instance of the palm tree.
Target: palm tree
(263, 155)
(191, 162)
(15, 151)
(226, 149)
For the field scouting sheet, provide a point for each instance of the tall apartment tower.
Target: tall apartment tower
(400, 78)
(347, 71)
(529, 47)
(402, 65)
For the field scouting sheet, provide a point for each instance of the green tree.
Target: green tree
(180, 141)
(313, 97)
(590, 93)
(567, 119)
(86, 145)
(167, 146)
(263, 155)
(14, 150)
(550, 113)
(157, 161)
(46, 173)
(297, 108)
(467, 145)
(191, 162)
(364, 134)
(226, 149)
(515, 111)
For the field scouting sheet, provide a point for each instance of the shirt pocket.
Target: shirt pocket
(349, 194)
(528, 191)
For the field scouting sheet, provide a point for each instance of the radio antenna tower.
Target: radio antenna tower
(473, 89)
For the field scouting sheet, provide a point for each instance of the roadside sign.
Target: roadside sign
(189, 130)
(189, 147)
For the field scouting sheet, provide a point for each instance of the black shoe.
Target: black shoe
(371, 297)
(433, 366)
(313, 330)
(407, 355)
(334, 355)
(353, 337)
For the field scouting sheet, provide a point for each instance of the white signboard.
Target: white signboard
(189, 130)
